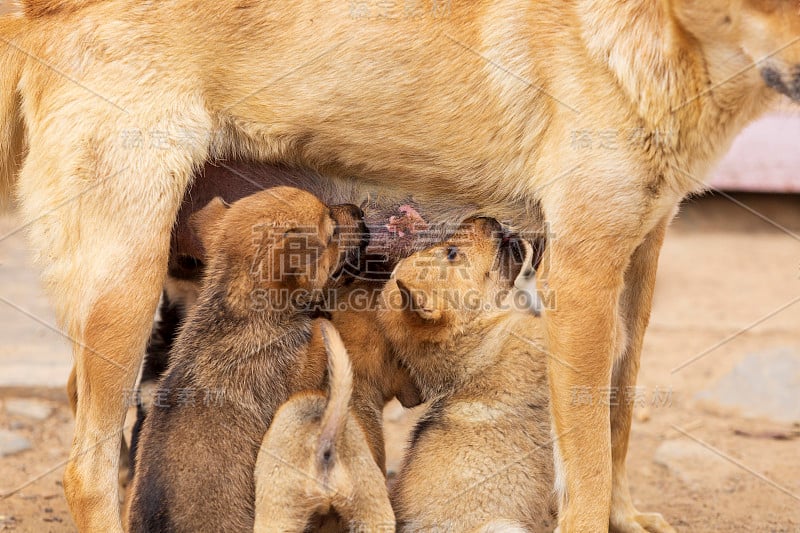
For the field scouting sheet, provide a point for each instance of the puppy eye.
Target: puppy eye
(452, 253)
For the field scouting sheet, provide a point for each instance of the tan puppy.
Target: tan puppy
(482, 451)
(315, 459)
(247, 345)
(485, 104)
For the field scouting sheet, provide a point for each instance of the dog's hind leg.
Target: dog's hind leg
(365, 506)
(582, 281)
(100, 220)
(125, 472)
(635, 305)
(283, 500)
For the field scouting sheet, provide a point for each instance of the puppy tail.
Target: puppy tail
(340, 379)
(12, 131)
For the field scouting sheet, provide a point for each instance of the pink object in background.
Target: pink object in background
(764, 158)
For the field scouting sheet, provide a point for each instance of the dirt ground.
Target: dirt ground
(729, 273)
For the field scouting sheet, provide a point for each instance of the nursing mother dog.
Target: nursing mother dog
(477, 105)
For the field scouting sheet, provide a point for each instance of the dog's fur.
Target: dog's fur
(477, 104)
(171, 314)
(248, 344)
(482, 451)
(316, 459)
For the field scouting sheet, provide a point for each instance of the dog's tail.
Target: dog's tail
(12, 132)
(340, 379)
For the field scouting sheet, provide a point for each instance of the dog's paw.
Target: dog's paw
(637, 522)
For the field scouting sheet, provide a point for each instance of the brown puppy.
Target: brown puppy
(247, 345)
(377, 375)
(596, 115)
(480, 459)
(315, 459)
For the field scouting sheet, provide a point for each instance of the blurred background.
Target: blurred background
(716, 438)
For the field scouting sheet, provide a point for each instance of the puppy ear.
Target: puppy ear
(417, 302)
(203, 222)
(526, 280)
(527, 271)
(299, 257)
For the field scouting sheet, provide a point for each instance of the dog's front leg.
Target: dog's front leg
(637, 297)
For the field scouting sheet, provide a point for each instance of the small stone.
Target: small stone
(29, 408)
(11, 443)
(693, 463)
(642, 414)
(763, 385)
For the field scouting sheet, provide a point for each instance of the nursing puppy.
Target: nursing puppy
(481, 458)
(248, 344)
(377, 375)
(315, 460)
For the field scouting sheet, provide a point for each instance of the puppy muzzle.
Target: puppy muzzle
(353, 239)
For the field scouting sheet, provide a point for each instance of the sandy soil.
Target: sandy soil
(724, 268)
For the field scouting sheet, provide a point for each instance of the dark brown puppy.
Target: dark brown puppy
(247, 345)
(377, 375)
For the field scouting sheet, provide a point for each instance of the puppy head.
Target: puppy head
(278, 246)
(767, 32)
(436, 293)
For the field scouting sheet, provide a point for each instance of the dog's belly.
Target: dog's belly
(398, 223)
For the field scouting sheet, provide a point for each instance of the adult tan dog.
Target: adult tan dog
(482, 451)
(316, 458)
(480, 104)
